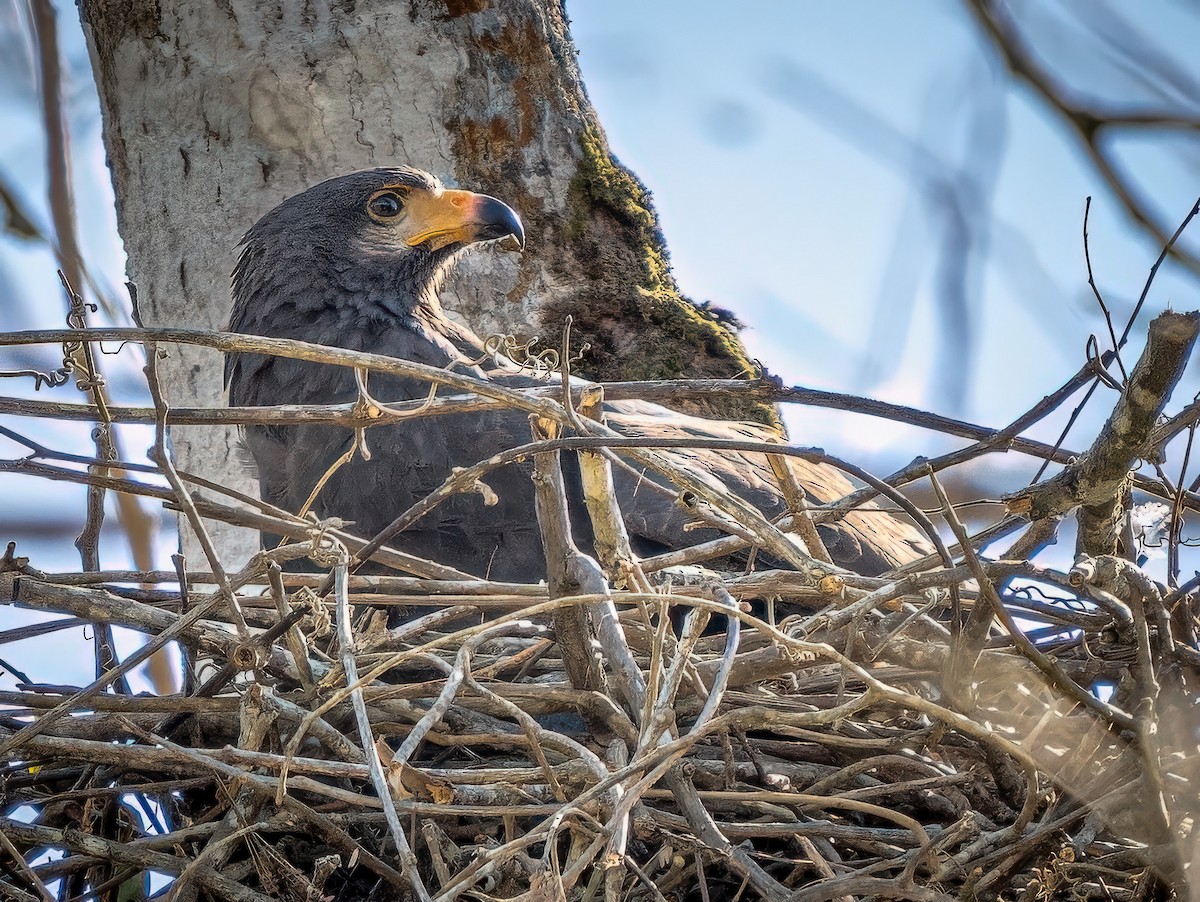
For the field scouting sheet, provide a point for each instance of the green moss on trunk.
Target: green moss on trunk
(629, 307)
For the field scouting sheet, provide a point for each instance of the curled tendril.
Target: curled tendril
(1033, 593)
(579, 355)
(326, 550)
(120, 348)
(79, 309)
(525, 355)
(89, 384)
(74, 349)
(492, 346)
(53, 379)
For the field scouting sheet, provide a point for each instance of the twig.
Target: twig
(1112, 334)
(181, 495)
(566, 567)
(145, 859)
(177, 628)
(408, 861)
(24, 870)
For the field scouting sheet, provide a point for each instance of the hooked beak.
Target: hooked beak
(462, 217)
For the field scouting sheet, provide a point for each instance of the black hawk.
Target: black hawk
(357, 262)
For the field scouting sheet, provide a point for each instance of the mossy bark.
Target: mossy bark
(628, 307)
(596, 252)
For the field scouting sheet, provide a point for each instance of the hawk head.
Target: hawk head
(380, 236)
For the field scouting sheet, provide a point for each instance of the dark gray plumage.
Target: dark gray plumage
(357, 262)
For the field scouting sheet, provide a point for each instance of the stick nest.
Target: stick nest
(969, 726)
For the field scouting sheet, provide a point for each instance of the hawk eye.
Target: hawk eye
(385, 205)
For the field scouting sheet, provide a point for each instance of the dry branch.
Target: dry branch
(1096, 481)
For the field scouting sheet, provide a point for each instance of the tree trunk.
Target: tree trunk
(215, 112)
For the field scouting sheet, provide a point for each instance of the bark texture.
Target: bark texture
(215, 112)
(1099, 480)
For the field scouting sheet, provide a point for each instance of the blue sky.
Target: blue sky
(783, 200)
